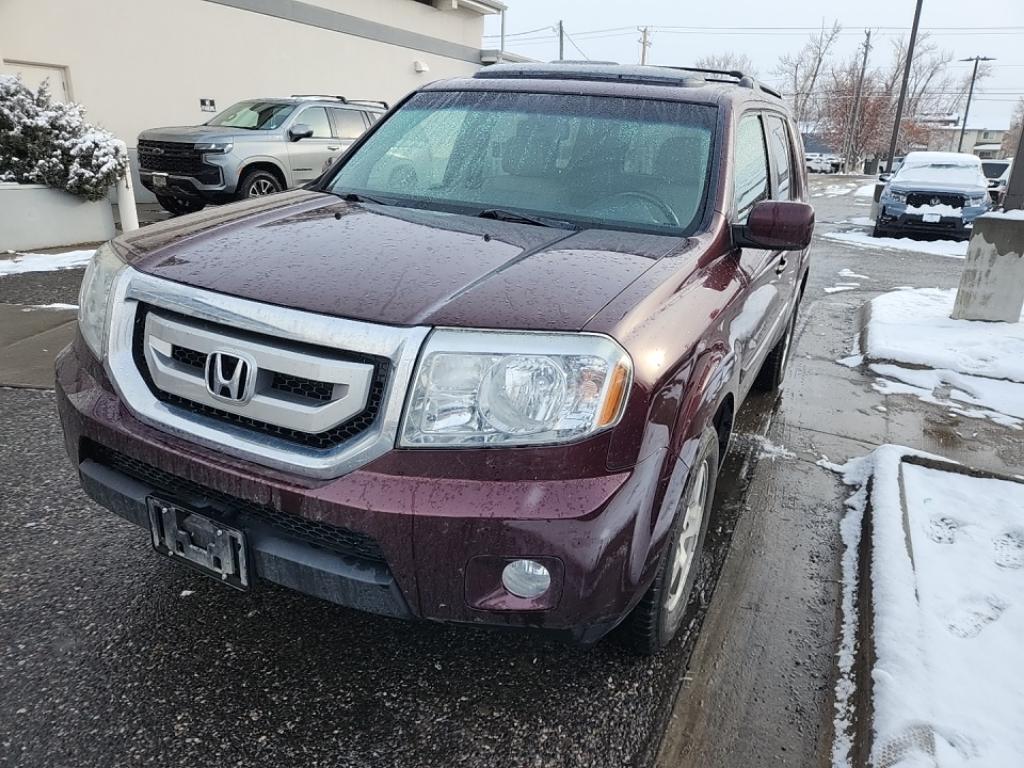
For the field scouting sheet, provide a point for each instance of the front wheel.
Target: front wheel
(258, 183)
(659, 614)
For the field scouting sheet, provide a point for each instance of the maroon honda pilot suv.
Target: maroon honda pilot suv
(484, 370)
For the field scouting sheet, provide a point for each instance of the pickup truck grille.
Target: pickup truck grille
(316, 532)
(918, 199)
(281, 392)
(171, 157)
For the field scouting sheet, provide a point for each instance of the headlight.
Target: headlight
(897, 197)
(94, 297)
(515, 388)
(976, 200)
(218, 147)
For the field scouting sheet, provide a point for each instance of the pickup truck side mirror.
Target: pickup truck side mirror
(300, 131)
(776, 224)
(884, 176)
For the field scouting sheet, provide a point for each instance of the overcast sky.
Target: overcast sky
(992, 28)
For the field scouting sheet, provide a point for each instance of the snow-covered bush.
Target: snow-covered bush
(42, 142)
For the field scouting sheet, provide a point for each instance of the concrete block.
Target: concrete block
(992, 283)
(36, 216)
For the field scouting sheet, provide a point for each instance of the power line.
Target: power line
(573, 42)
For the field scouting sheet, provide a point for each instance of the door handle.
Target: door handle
(334, 148)
(781, 266)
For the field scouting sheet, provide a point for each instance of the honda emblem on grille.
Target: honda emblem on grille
(155, 151)
(934, 201)
(230, 376)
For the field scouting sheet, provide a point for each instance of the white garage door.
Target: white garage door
(34, 74)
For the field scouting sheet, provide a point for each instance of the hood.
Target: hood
(398, 266)
(195, 133)
(932, 186)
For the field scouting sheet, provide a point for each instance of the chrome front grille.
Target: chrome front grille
(325, 394)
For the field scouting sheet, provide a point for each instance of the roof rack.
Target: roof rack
(590, 70)
(740, 78)
(342, 99)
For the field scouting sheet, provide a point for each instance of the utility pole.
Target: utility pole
(561, 41)
(851, 139)
(903, 88)
(645, 43)
(970, 95)
(1014, 200)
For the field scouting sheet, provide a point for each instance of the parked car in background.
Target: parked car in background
(936, 194)
(998, 174)
(253, 148)
(820, 162)
(495, 387)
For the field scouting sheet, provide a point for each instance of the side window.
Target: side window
(778, 144)
(750, 179)
(316, 118)
(348, 123)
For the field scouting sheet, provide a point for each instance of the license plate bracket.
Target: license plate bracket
(931, 218)
(159, 179)
(202, 543)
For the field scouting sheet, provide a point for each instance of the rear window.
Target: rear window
(994, 170)
(587, 160)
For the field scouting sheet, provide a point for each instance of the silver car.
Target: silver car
(255, 147)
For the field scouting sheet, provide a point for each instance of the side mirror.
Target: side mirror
(778, 225)
(300, 131)
(884, 176)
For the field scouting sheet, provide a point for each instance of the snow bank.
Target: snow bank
(868, 190)
(954, 249)
(43, 262)
(947, 587)
(914, 326)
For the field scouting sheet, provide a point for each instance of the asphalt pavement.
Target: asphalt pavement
(111, 656)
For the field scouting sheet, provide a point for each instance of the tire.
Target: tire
(656, 619)
(179, 205)
(773, 369)
(257, 183)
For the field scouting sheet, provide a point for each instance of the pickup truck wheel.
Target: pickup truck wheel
(258, 183)
(657, 617)
(179, 206)
(773, 369)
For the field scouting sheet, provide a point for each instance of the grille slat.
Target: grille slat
(321, 534)
(316, 391)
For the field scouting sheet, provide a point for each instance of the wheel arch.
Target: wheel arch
(263, 164)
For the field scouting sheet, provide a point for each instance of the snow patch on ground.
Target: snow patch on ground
(947, 593)
(953, 249)
(49, 306)
(20, 263)
(849, 273)
(840, 287)
(973, 397)
(861, 221)
(914, 326)
(868, 190)
(770, 450)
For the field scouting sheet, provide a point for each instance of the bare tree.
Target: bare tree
(800, 72)
(1011, 139)
(729, 61)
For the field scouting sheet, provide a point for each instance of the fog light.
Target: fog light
(526, 578)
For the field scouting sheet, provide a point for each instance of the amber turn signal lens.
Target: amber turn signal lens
(615, 397)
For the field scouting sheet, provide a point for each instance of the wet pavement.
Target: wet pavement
(112, 656)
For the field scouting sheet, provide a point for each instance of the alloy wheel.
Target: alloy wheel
(684, 553)
(261, 187)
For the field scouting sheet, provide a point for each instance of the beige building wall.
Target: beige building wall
(139, 64)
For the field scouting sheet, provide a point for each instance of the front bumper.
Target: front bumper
(894, 217)
(436, 546)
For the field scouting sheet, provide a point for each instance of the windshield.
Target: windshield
(954, 174)
(585, 161)
(254, 115)
(993, 170)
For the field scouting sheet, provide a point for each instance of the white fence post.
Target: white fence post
(126, 196)
(992, 283)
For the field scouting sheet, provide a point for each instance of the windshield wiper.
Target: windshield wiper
(355, 197)
(500, 214)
